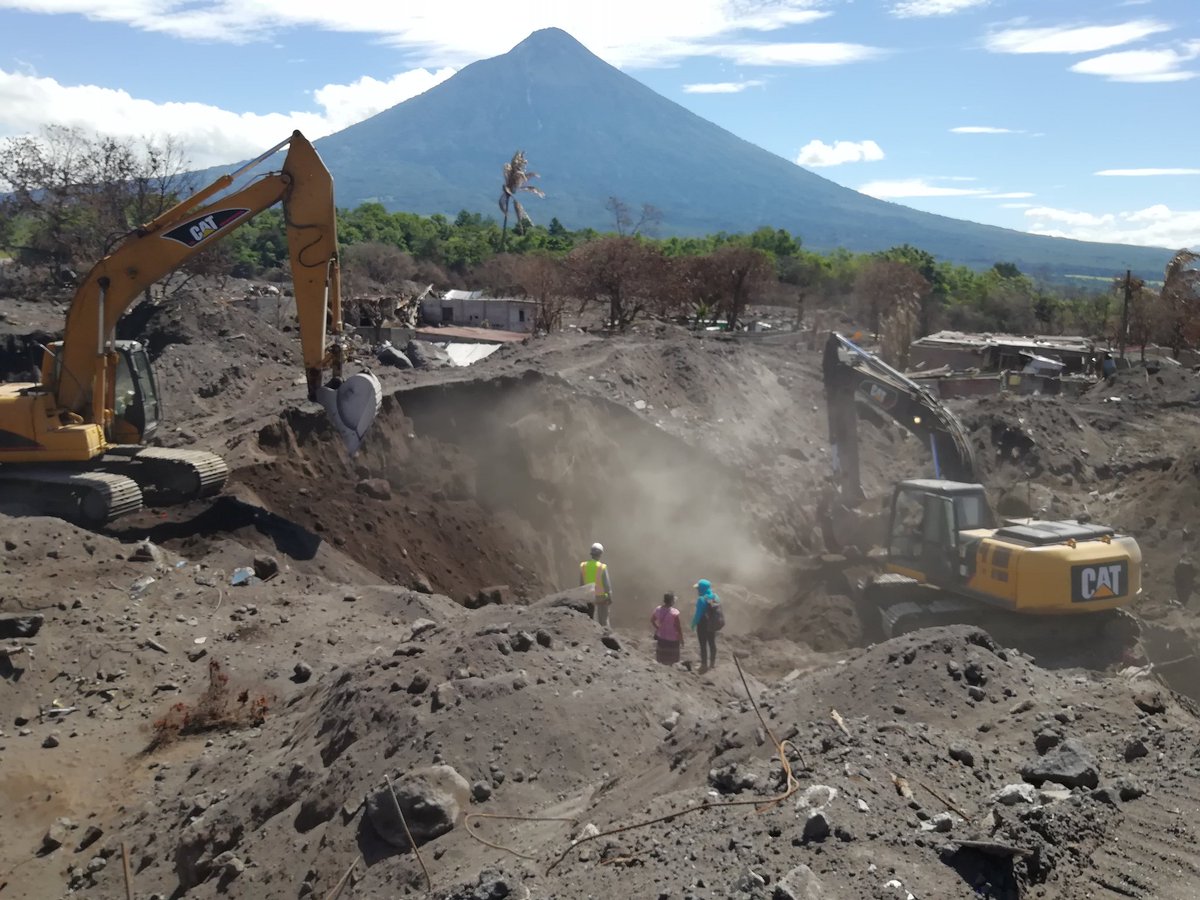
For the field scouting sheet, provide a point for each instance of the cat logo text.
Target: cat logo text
(1100, 581)
(194, 231)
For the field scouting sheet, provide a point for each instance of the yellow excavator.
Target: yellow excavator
(948, 560)
(74, 445)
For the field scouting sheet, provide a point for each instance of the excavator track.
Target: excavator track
(903, 605)
(168, 476)
(91, 499)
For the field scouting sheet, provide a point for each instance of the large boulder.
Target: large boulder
(799, 884)
(1070, 764)
(424, 354)
(433, 801)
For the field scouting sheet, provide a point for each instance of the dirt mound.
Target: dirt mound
(687, 458)
(507, 481)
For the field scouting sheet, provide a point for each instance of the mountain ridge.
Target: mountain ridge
(594, 132)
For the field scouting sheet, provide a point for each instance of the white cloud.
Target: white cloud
(1142, 65)
(721, 87)
(1068, 39)
(457, 32)
(982, 129)
(816, 154)
(1136, 173)
(914, 187)
(1154, 226)
(210, 135)
(796, 54)
(922, 8)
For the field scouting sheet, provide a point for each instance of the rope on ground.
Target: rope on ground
(946, 803)
(407, 833)
(487, 843)
(792, 785)
(341, 885)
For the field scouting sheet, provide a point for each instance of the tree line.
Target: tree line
(71, 196)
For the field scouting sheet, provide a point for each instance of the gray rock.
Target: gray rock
(522, 641)
(729, 779)
(962, 753)
(1135, 749)
(56, 836)
(432, 800)
(816, 826)
(749, 882)
(421, 583)
(816, 796)
(941, 823)
(390, 356)
(444, 695)
(1046, 740)
(146, 551)
(21, 626)
(265, 566)
(301, 672)
(481, 791)
(670, 721)
(93, 834)
(1070, 765)
(1047, 795)
(50, 742)
(228, 864)
(492, 885)
(1012, 794)
(1128, 788)
(1151, 700)
(375, 488)
(419, 627)
(419, 683)
(801, 883)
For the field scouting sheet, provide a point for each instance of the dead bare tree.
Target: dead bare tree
(542, 278)
(77, 194)
(882, 286)
(1181, 301)
(625, 274)
(516, 179)
(648, 220)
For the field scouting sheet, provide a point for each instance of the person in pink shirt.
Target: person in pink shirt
(668, 631)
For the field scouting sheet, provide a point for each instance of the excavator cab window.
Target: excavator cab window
(971, 511)
(924, 533)
(908, 515)
(135, 400)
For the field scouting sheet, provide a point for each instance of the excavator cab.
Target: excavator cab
(135, 403)
(927, 520)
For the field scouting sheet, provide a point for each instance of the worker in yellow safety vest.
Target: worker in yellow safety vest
(595, 573)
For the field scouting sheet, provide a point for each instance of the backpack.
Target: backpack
(714, 615)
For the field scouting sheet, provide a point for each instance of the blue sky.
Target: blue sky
(1070, 117)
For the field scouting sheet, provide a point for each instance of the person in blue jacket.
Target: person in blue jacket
(706, 622)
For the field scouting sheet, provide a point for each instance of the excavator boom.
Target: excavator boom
(852, 375)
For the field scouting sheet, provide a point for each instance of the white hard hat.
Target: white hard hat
(597, 547)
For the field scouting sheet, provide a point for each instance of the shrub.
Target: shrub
(217, 709)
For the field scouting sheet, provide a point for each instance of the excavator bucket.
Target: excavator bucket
(352, 407)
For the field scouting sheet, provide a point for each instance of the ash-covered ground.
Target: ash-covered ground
(411, 618)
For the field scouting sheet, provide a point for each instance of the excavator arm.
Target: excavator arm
(853, 375)
(82, 378)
